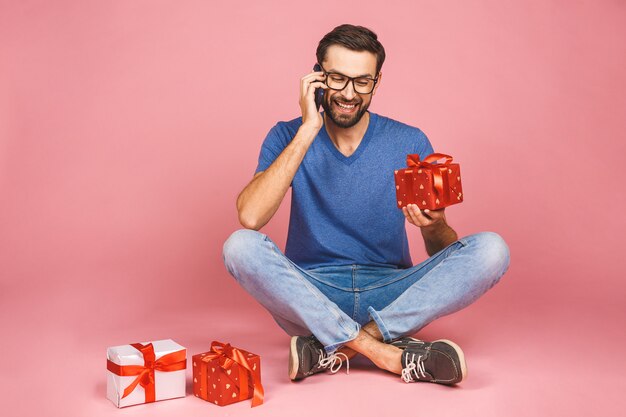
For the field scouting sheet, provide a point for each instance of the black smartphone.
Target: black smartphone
(319, 92)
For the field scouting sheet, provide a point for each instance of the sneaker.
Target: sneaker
(307, 357)
(441, 361)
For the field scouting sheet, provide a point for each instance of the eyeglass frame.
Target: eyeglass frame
(350, 79)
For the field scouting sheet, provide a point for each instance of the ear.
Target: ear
(380, 77)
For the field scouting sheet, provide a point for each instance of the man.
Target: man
(346, 283)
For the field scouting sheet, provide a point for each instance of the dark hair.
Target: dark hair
(355, 38)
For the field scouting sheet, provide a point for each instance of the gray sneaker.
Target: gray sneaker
(307, 357)
(441, 361)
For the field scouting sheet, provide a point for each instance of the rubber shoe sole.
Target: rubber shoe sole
(294, 363)
(459, 353)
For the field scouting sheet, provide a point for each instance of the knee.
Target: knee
(239, 246)
(492, 251)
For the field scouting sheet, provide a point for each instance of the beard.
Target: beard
(341, 119)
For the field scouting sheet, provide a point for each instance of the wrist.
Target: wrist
(309, 130)
(437, 229)
(434, 228)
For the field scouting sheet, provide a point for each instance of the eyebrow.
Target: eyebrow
(358, 76)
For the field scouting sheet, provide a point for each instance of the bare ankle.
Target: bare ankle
(372, 329)
(393, 360)
(384, 356)
(350, 353)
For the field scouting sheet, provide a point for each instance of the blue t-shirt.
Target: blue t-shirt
(343, 208)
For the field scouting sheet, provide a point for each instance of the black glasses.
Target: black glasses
(337, 82)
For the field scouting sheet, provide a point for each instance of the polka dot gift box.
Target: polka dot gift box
(226, 375)
(428, 184)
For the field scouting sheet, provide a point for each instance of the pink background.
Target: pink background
(127, 128)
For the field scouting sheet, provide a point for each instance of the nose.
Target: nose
(348, 91)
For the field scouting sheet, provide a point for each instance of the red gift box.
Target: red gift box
(428, 184)
(226, 375)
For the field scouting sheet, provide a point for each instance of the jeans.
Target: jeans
(333, 302)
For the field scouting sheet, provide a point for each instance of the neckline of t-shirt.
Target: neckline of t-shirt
(369, 133)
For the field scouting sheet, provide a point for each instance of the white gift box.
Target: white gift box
(167, 384)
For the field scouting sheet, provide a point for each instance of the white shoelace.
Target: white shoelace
(416, 367)
(333, 361)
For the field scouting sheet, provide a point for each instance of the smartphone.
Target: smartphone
(319, 92)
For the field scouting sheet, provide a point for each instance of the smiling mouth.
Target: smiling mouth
(345, 108)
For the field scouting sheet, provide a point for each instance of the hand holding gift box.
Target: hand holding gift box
(143, 373)
(428, 184)
(226, 375)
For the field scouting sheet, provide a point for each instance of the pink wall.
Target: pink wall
(127, 128)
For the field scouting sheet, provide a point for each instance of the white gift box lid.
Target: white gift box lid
(167, 384)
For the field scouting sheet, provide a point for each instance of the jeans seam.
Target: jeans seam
(340, 320)
(326, 283)
(390, 305)
(408, 271)
(355, 294)
(332, 348)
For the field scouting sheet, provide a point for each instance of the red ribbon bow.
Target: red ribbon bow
(174, 361)
(442, 190)
(227, 356)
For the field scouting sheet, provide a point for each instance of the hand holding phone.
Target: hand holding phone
(311, 95)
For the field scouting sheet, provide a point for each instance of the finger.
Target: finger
(406, 215)
(316, 84)
(427, 213)
(307, 84)
(412, 217)
(436, 214)
(424, 219)
(310, 89)
(311, 76)
(417, 216)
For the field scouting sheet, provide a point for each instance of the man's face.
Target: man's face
(352, 64)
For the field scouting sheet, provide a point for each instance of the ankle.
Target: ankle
(350, 353)
(372, 329)
(388, 358)
(391, 360)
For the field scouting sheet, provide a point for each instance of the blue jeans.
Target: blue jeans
(333, 302)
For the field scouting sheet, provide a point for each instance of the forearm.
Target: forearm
(438, 236)
(258, 202)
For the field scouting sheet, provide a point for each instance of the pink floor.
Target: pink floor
(524, 358)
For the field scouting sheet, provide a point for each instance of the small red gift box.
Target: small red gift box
(428, 184)
(226, 375)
